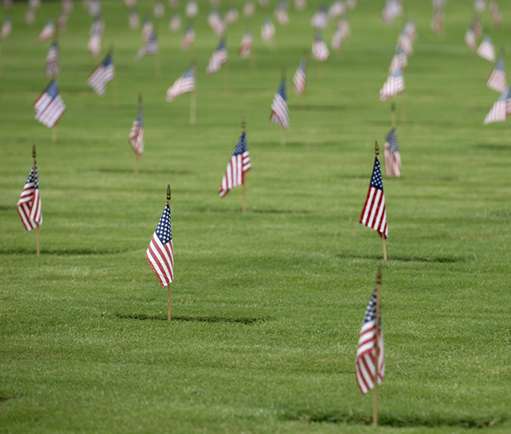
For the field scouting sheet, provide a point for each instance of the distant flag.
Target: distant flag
(147, 29)
(410, 30)
(479, 6)
(218, 58)
(48, 31)
(495, 13)
(6, 28)
(102, 74)
(150, 47)
(497, 80)
(248, 8)
(281, 13)
(300, 4)
(159, 9)
(238, 166)
(341, 33)
(216, 23)
(393, 86)
(231, 16)
(405, 42)
(300, 77)
(130, 3)
(500, 110)
(246, 45)
(192, 9)
(370, 364)
(374, 214)
(160, 252)
(52, 60)
(391, 11)
(437, 22)
(29, 204)
(134, 20)
(30, 16)
(188, 38)
(486, 50)
(279, 111)
(320, 19)
(184, 84)
(267, 31)
(136, 136)
(320, 50)
(336, 9)
(49, 106)
(392, 155)
(399, 60)
(471, 38)
(95, 36)
(175, 23)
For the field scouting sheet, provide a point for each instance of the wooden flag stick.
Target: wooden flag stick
(37, 229)
(169, 288)
(393, 114)
(54, 134)
(376, 397)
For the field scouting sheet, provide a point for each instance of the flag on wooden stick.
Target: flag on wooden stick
(486, 50)
(238, 166)
(300, 77)
(47, 32)
(29, 204)
(49, 106)
(136, 136)
(497, 80)
(394, 85)
(246, 45)
(6, 28)
(218, 58)
(184, 84)
(320, 50)
(392, 155)
(279, 111)
(52, 60)
(102, 75)
(500, 110)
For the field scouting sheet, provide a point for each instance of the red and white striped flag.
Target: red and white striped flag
(486, 50)
(184, 84)
(29, 204)
(471, 39)
(175, 23)
(500, 110)
(279, 111)
(49, 106)
(237, 168)
(497, 80)
(6, 28)
(246, 45)
(374, 213)
(188, 38)
(392, 155)
(102, 75)
(217, 59)
(300, 78)
(160, 253)
(136, 136)
(394, 85)
(267, 31)
(52, 61)
(48, 31)
(320, 50)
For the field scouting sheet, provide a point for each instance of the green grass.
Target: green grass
(268, 303)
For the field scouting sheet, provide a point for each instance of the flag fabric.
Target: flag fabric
(399, 60)
(394, 85)
(267, 31)
(374, 214)
(94, 44)
(216, 23)
(495, 13)
(52, 60)
(499, 110)
(370, 352)
(471, 39)
(320, 50)
(486, 50)
(136, 136)
(160, 253)
(48, 31)
(217, 59)
(188, 38)
(29, 204)
(175, 23)
(103, 74)
(437, 22)
(134, 20)
(246, 45)
(192, 9)
(279, 111)
(49, 107)
(6, 28)
(238, 166)
(497, 80)
(391, 11)
(150, 47)
(320, 19)
(281, 14)
(184, 84)
(300, 78)
(392, 155)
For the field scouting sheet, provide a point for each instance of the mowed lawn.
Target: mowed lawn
(267, 303)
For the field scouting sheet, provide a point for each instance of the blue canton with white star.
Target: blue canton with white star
(371, 309)
(241, 147)
(33, 178)
(164, 228)
(376, 179)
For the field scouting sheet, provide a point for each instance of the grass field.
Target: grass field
(268, 303)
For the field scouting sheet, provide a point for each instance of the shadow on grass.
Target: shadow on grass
(63, 252)
(207, 319)
(402, 258)
(126, 171)
(397, 421)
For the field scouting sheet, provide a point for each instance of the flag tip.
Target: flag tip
(33, 152)
(168, 193)
(376, 148)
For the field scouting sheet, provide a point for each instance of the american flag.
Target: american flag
(188, 38)
(337, 9)
(471, 38)
(134, 20)
(319, 49)
(218, 58)
(192, 9)
(399, 60)
(496, 15)
(437, 22)
(497, 80)
(48, 31)
(232, 15)
(147, 29)
(300, 77)
(29, 204)
(246, 45)
(320, 19)
(49, 107)
(486, 50)
(392, 155)
(500, 110)
(281, 14)
(184, 84)
(159, 9)
(238, 166)
(391, 11)
(136, 137)
(216, 23)
(150, 47)
(160, 253)
(6, 28)
(370, 361)
(279, 111)
(394, 85)
(267, 31)
(248, 8)
(175, 23)
(52, 60)
(103, 74)
(405, 42)
(374, 214)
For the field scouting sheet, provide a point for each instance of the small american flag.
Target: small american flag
(437, 22)
(370, 361)
(246, 45)
(192, 9)
(300, 78)
(150, 47)
(103, 74)
(175, 23)
(320, 50)
(267, 31)
(471, 38)
(29, 203)
(500, 110)
(281, 14)
(496, 15)
(405, 42)
(48, 31)
(394, 85)
(184, 84)
(218, 58)
(94, 44)
(392, 155)
(374, 214)
(49, 107)
(279, 111)
(486, 50)
(160, 253)
(497, 80)
(134, 20)
(52, 60)
(188, 38)
(238, 166)
(136, 136)
(216, 23)
(6, 28)
(391, 11)
(399, 60)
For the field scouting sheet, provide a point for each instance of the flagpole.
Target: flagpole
(169, 288)
(376, 397)
(384, 241)
(393, 114)
(37, 228)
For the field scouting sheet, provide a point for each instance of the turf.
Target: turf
(267, 303)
